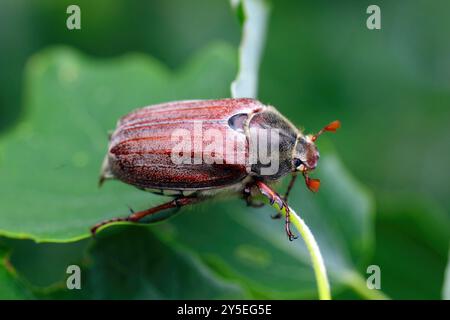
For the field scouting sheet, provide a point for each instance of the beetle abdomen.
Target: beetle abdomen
(141, 148)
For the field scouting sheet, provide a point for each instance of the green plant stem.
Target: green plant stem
(318, 265)
(255, 16)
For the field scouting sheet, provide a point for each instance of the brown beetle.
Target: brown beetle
(194, 150)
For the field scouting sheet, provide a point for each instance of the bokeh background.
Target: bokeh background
(390, 88)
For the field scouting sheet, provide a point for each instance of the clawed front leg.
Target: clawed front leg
(276, 198)
(290, 186)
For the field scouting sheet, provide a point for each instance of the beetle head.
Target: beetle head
(306, 155)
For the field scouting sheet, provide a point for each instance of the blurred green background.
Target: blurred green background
(390, 88)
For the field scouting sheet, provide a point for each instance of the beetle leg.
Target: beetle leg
(136, 216)
(291, 184)
(275, 198)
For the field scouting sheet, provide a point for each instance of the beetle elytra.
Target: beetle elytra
(198, 149)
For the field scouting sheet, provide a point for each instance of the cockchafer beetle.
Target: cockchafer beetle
(142, 148)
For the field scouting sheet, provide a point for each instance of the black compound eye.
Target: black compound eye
(297, 162)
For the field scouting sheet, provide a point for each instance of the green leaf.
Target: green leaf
(50, 162)
(123, 263)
